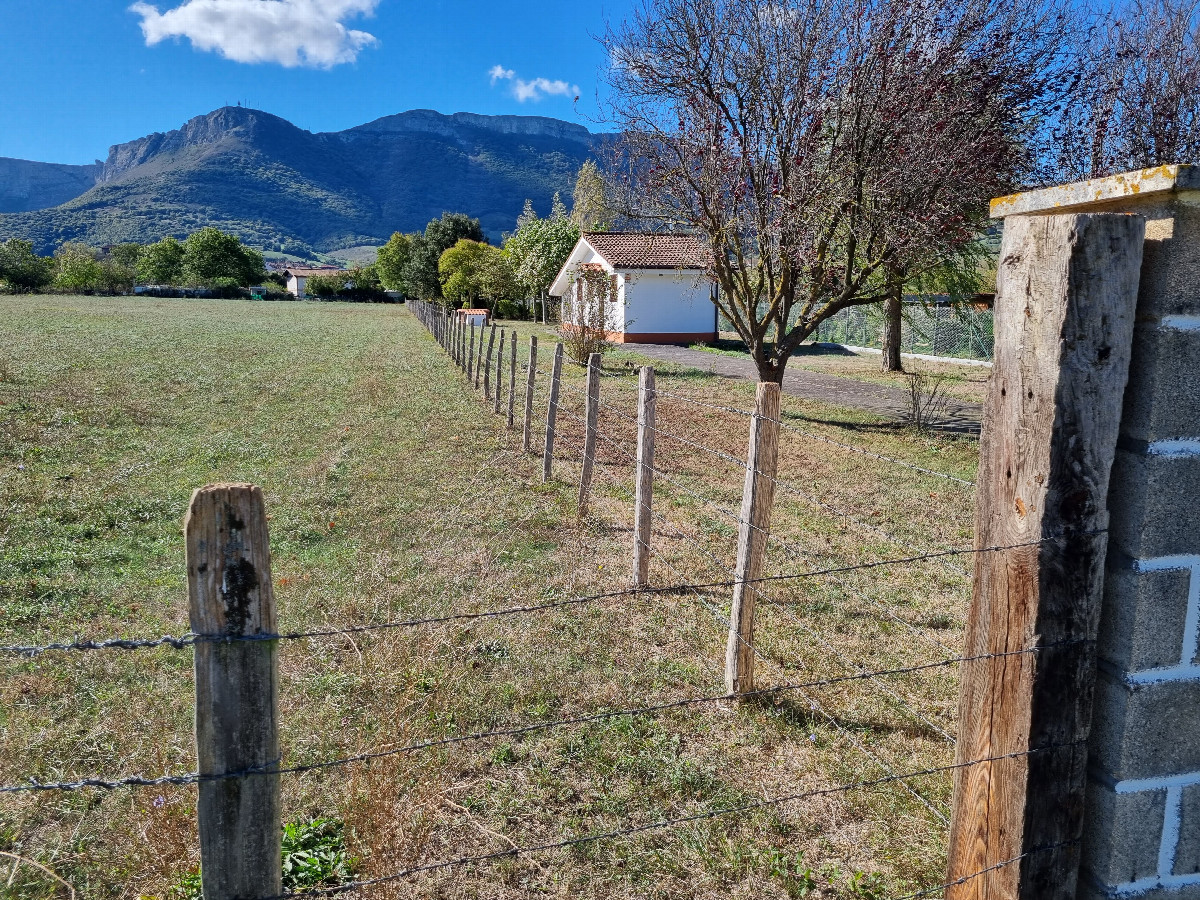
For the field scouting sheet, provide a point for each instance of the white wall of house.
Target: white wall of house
(667, 302)
(296, 285)
(655, 302)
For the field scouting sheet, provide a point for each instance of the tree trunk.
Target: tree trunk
(770, 370)
(891, 331)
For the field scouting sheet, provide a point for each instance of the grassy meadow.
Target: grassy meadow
(394, 492)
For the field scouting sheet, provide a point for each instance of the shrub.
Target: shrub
(22, 270)
(585, 315)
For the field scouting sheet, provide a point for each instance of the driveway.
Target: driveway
(889, 402)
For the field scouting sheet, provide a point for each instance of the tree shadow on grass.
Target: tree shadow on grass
(954, 423)
(800, 715)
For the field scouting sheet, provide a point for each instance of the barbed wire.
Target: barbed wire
(992, 868)
(782, 484)
(812, 499)
(661, 824)
(819, 437)
(188, 640)
(35, 785)
(832, 720)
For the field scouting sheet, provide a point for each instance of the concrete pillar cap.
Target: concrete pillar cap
(1141, 185)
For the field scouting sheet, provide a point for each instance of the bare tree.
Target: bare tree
(822, 147)
(1137, 101)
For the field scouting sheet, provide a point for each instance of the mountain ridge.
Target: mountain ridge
(283, 188)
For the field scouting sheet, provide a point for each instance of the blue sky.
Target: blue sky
(83, 74)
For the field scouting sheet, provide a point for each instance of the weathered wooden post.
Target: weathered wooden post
(471, 353)
(1140, 831)
(499, 373)
(487, 365)
(491, 346)
(591, 415)
(643, 507)
(531, 372)
(757, 497)
(1065, 299)
(552, 412)
(512, 379)
(230, 596)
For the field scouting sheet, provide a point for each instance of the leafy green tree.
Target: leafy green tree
(459, 268)
(211, 254)
(22, 270)
(475, 273)
(365, 280)
(589, 205)
(539, 248)
(126, 255)
(326, 286)
(116, 277)
(498, 280)
(76, 268)
(392, 259)
(421, 274)
(161, 263)
(118, 268)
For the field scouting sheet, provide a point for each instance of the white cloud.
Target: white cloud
(534, 89)
(288, 32)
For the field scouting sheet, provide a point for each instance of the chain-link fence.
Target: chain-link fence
(961, 331)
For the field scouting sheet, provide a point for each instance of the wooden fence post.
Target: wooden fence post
(643, 510)
(230, 594)
(512, 379)
(527, 434)
(479, 359)
(487, 366)
(1064, 315)
(552, 412)
(499, 373)
(758, 495)
(471, 354)
(591, 414)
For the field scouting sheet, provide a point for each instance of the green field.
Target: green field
(394, 492)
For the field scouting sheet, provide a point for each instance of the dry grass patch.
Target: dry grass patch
(394, 493)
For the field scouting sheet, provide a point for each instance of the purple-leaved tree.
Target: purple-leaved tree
(827, 150)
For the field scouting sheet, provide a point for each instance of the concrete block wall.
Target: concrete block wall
(1142, 828)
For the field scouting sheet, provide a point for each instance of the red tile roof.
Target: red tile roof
(306, 272)
(632, 250)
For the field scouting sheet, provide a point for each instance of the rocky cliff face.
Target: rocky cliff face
(230, 122)
(27, 185)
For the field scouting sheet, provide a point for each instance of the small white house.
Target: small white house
(656, 288)
(477, 318)
(297, 275)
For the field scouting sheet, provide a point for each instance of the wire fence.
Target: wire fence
(618, 462)
(931, 328)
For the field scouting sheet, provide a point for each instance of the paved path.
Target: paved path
(891, 402)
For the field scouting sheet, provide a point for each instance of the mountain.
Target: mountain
(282, 188)
(26, 185)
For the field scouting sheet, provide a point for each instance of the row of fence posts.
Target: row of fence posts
(457, 333)
(1024, 841)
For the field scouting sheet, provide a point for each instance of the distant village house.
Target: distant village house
(297, 276)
